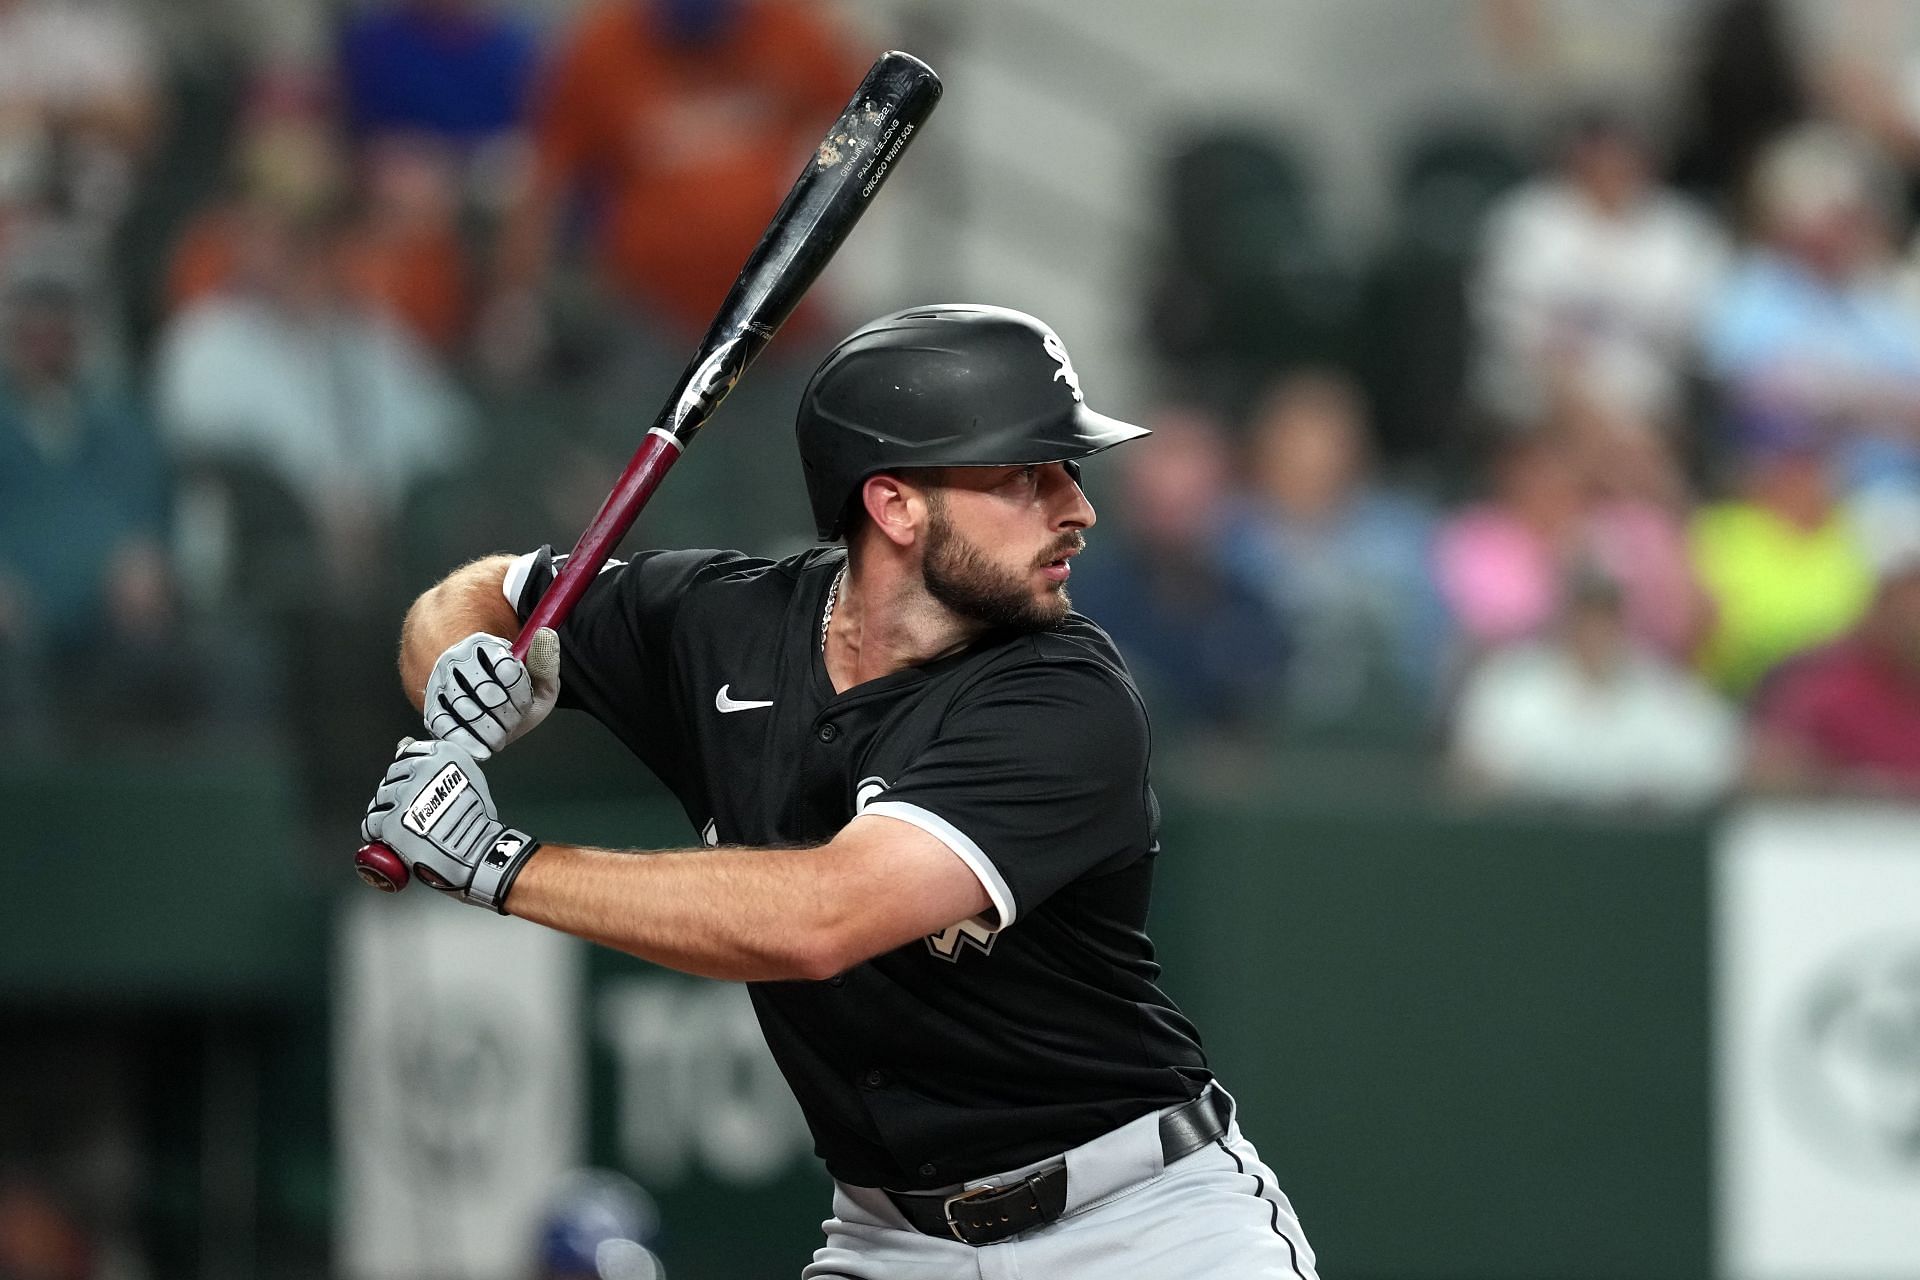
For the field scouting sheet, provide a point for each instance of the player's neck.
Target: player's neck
(884, 621)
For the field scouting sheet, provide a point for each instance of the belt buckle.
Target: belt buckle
(946, 1207)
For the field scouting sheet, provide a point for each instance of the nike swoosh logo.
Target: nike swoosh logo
(723, 704)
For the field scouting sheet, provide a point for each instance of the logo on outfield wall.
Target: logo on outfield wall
(696, 1092)
(1851, 1057)
(454, 1075)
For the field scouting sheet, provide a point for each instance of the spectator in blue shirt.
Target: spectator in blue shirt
(448, 68)
(82, 478)
(1207, 652)
(1346, 560)
(91, 633)
(82, 485)
(1810, 325)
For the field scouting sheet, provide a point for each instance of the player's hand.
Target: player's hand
(434, 809)
(481, 697)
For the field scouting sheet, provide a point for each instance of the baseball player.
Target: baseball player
(922, 786)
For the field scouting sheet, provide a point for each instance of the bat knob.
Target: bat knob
(381, 867)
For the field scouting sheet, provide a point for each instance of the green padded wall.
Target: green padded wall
(1471, 1046)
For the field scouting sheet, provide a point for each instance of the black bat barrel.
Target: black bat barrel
(858, 154)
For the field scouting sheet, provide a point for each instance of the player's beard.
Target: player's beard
(960, 576)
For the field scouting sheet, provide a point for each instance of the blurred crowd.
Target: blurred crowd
(1597, 482)
(283, 336)
(1601, 480)
(1593, 480)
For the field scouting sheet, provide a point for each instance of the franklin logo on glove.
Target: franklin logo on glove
(435, 811)
(432, 803)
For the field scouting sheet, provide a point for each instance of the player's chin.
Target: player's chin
(1054, 604)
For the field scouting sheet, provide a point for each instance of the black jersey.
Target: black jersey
(999, 1041)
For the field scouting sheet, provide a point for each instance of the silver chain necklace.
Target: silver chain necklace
(833, 596)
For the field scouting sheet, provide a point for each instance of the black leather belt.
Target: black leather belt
(988, 1215)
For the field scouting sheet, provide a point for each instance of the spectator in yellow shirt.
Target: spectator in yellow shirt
(1783, 566)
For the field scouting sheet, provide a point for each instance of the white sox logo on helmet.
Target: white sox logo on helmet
(1058, 350)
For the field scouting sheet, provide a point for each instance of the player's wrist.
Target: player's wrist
(435, 811)
(498, 868)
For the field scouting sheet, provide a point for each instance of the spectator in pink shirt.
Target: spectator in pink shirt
(1607, 501)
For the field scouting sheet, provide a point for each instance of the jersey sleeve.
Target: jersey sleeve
(614, 646)
(1037, 777)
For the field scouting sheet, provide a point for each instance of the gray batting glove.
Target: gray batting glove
(434, 810)
(482, 697)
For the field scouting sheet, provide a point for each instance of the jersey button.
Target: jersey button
(837, 980)
(875, 1079)
(927, 1170)
(829, 731)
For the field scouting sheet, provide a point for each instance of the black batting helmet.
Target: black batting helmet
(942, 386)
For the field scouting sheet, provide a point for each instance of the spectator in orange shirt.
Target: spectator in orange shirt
(403, 254)
(684, 121)
(676, 127)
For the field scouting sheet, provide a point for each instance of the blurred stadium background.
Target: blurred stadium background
(1525, 578)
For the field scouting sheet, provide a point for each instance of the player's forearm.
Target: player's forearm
(469, 599)
(742, 915)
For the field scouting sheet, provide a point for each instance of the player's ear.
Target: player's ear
(897, 507)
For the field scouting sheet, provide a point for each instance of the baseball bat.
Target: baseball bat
(859, 153)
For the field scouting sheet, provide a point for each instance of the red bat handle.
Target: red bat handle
(657, 452)
(380, 866)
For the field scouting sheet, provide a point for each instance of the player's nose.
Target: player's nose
(1067, 501)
